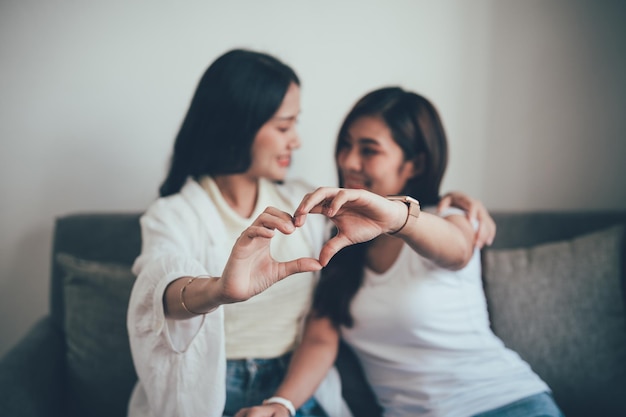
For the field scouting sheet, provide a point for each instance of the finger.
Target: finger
(299, 214)
(334, 201)
(444, 204)
(487, 225)
(481, 236)
(459, 200)
(334, 205)
(298, 265)
(254, 412)
(486, 232)
(311, 201)
(275, 219)
(331, 248)
(491, 231)
(466, 203)
(320, 208)
(241, 413)
(254, 232)
(299, 220)
(330, 206)
(492, 235)
(472, 211)
(277, 212)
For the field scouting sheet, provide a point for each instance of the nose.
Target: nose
(294, 140)
(349, 159)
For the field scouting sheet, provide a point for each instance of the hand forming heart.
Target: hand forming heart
(251, 269)
(359, 215)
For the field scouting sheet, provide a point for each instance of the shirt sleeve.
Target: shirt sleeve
(174, 359)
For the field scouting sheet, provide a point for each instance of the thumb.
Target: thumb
(333, 246)
(298, 265)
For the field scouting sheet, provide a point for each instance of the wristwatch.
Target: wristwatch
(412, 204)
(284, 402)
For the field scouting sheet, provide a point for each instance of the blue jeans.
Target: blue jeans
(538, 405)
(250, 381)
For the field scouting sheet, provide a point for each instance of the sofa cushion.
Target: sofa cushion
(100, 371)
(560, 305)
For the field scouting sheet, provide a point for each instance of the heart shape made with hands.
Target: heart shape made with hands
(358, 215)
(352, 227)
(262, 255)
(286, 246)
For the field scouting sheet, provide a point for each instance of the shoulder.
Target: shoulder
(181, 206)
(453, 214)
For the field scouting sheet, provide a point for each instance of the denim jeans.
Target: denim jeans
(538, 405)
(250, 381)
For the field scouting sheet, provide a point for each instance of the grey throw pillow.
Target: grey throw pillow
(561, 307)
(100, 369)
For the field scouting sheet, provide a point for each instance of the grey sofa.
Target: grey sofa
(554, 284)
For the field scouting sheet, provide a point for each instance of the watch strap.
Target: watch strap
(284, 402)
(413, 209)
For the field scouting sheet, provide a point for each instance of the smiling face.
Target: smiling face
(277, 138)
(369, 158)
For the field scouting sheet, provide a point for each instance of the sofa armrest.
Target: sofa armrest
(31, 373)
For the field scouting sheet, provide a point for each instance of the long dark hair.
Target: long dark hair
(238, 93)
(416, 127)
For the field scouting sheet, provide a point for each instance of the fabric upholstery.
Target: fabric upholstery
(33, 374)
(560, 306)
(99, 366)
(27, 369)
(102, 237)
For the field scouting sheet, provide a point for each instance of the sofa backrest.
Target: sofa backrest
(90, 288)
(102, 237)
(555, 285)
(91, 259)
(523, 229)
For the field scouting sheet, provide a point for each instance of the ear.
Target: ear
(416, 166)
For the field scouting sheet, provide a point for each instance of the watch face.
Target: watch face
(413, 204)
(402, 198)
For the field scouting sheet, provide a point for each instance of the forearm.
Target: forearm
(310, 362)
(448, 244)
(187, 297)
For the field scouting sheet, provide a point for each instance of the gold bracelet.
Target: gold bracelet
(182, 298)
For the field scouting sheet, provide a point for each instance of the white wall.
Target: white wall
(92, 93)
(555, 114)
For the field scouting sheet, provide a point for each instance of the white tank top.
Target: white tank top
(423, 337)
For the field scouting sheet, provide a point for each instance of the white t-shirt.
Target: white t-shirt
(423, 337)
(264, 326)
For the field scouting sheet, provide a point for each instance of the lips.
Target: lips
(284, 161)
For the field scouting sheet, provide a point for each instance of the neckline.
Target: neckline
(213, 191)
(372, 277)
